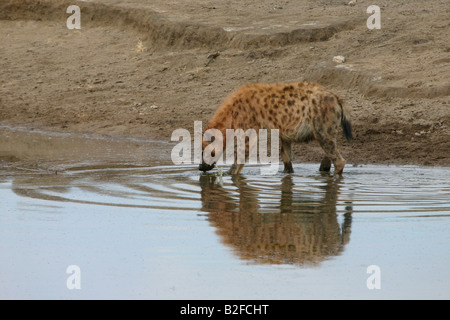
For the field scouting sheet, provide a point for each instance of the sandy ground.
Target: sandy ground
(144, 68)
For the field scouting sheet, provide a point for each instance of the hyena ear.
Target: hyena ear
(208, 136)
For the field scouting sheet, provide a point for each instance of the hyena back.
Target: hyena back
(301, 112)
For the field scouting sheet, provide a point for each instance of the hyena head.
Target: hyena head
(212, 147)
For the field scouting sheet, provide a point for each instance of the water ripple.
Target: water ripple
(302, 218)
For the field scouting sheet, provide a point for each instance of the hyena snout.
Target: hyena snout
(205, 166)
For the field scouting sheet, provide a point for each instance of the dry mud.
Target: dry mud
(144, 68)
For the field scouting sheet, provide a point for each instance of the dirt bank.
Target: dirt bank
(143, 69)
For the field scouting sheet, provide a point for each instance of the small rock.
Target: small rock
(154, 107)
(352, 3)
(339, 59)
(421, 133)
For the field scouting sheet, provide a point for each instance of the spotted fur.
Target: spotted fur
(301, 112)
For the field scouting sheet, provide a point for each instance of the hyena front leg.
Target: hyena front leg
(286, 156)
(325, 165)
(237, 166)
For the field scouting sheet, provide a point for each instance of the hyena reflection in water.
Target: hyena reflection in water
(296, 226)
(301, 112)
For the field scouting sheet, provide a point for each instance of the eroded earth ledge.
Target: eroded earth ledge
(142, 69)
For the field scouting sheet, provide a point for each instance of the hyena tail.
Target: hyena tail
(345, 120)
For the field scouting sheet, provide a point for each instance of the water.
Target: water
(139, 227)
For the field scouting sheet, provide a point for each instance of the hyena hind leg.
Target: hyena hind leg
(286, 156)
(331, 155)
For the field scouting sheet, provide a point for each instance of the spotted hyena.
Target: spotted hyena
(301, 112)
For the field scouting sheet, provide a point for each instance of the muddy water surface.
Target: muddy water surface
(139, 227)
